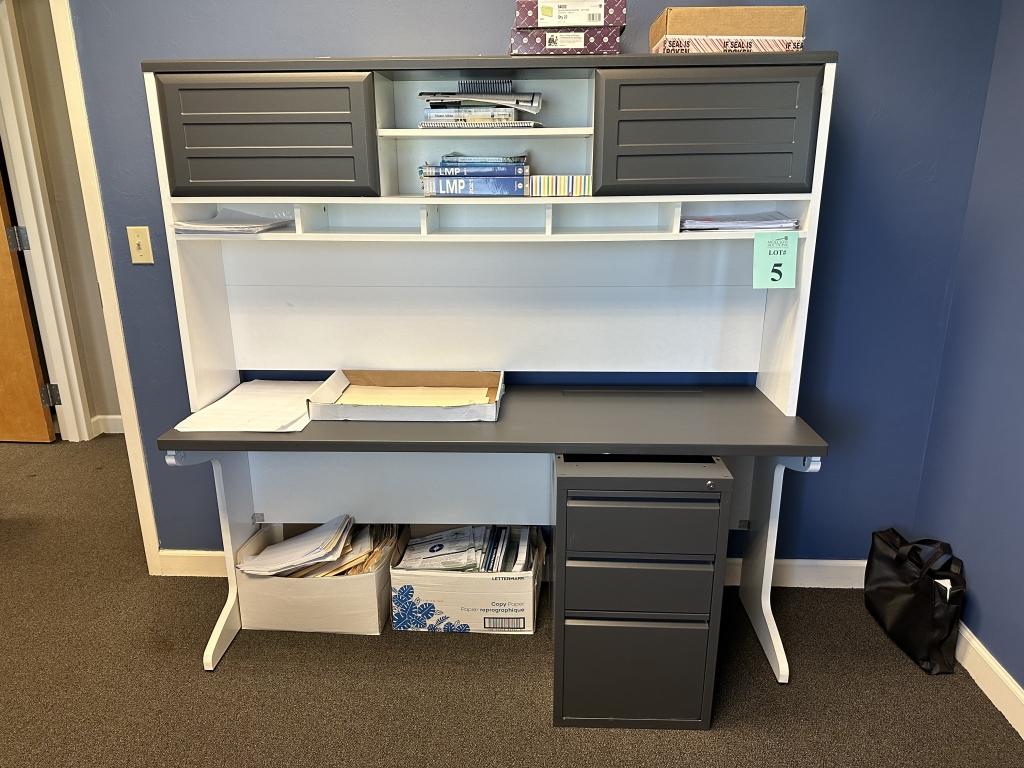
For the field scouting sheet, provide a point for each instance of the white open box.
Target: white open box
(324, 406)
(355, 605)
(443, 601)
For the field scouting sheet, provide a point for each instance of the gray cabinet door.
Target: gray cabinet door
(706, 130)
(270, 133)
(633, 670)
(615, 586)
(640, 525)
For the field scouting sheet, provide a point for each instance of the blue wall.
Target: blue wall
(905, 130)
(972, 492)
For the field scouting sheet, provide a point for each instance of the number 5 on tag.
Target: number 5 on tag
(775, 259)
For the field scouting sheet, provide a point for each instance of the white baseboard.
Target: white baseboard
(107, 425)
(191, 562)
(833, 574)
(993, 679)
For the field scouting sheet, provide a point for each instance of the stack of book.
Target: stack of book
(459, 175)
(772, 220)
(480, 104)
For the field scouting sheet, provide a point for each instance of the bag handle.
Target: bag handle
(911, 551)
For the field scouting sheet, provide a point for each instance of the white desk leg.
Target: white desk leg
(759, 562)
(235, 505)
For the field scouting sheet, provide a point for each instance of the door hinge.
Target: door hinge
(17, 238)
(50, 394)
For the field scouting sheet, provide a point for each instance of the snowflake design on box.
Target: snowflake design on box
(410, 613)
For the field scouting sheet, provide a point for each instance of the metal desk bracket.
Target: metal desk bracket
(801, 463)
(186, 458)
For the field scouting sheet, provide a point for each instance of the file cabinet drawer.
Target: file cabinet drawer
(709, 130)
(641, 526)
(633, 670)
(601, 585)
(270, 133)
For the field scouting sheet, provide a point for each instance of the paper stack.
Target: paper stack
(231, 222)
(256, 406)
(323, 544)
(472, 548)
(769, 220)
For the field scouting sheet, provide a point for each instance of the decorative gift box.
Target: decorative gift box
(575, 40)
(543, 14)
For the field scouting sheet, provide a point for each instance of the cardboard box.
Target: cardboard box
(576, 40)
(546, 14)
(729, 29)
(444, 601)
(354, 605)
(323, 404)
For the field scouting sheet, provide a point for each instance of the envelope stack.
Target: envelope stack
(568, 27)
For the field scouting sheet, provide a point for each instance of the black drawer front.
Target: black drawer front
(641, 526)
(633, 670)
(266, 133)
(618, 587)
(706, 129)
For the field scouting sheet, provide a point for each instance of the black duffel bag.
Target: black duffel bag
(902, 592)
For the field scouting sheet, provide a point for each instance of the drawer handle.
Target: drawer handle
(663, 506)
(633, 624)
(628, 566)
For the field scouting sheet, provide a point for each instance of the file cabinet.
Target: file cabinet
(639, 570)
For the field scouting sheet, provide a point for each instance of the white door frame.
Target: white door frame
(74, 92)
(31, 204)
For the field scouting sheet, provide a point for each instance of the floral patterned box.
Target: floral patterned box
(570, 13)
(444, 601)
(353, 605)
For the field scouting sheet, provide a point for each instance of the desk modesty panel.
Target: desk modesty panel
(729, 421)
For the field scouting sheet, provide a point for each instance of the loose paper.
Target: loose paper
(775, 259)
(358, 394)
(256, 406)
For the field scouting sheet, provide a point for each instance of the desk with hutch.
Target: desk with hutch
(374, 275)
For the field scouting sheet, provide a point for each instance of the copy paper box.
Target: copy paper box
(729, 29)
(447, 601)
(354, 605)
(575, 40)
(324, 403)
(545, 14)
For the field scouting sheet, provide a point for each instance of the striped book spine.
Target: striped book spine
(561, 185)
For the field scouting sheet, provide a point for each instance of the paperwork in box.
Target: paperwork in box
(351, 395)
(255, 406)
(441, 397)
(325, 543)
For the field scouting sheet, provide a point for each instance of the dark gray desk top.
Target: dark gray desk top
(723, 421)
(434, 63)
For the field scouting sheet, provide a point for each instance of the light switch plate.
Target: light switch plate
(138, 241)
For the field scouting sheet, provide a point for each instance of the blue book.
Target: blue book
(475, 170)
(484, 186)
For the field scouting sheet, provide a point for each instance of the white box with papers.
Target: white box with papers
(458, 601)
(350, 395)
(355, 605)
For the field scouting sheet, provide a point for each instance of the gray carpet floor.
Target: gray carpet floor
(100, 666)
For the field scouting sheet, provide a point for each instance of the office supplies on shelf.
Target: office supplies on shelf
(427, 124)
(256, 406)
(561, 185)
(729, 29)
(350, 395)
(228, 221)
(742, 221)
(324, 543)
(480, 104)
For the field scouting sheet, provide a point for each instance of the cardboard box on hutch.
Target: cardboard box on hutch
(544, 14)
(729, 29)
(576, 40)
